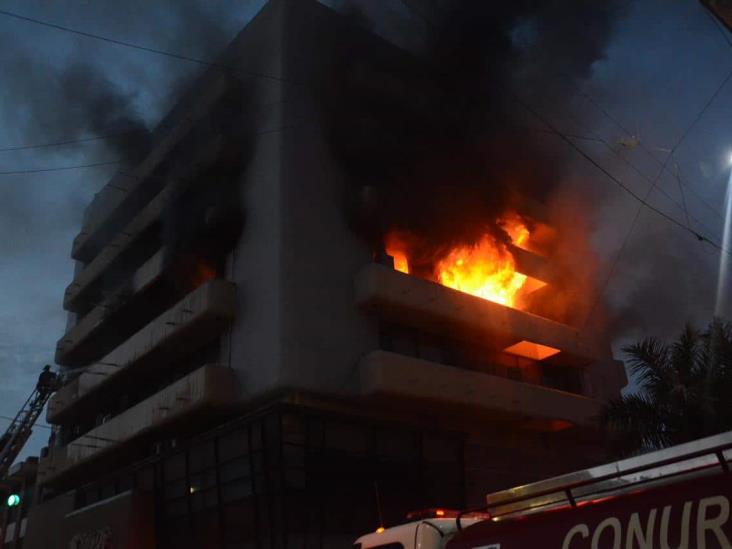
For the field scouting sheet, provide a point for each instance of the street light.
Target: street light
(724, 256)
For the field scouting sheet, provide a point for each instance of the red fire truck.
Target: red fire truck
(677, 498)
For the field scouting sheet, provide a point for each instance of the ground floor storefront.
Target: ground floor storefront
(285, 476)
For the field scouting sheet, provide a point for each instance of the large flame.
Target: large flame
(485, 269)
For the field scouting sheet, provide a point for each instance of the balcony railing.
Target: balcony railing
(187, 326)
(393, 376)
(206, 390)
(431, 307)
(79, 343)
(106, 212)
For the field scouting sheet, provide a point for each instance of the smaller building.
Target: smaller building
(20, 482)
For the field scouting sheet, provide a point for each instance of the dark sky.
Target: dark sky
(662, 66)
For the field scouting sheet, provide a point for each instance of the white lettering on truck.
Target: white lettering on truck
(712, 515)
(635, 533)
(704, 523)
(685, 518)
(610, 522)
(580, 529)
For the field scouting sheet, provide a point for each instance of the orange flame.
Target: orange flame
(486, 269)
(396, 248)
(516, 229)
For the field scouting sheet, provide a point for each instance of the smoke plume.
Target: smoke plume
(436, 142)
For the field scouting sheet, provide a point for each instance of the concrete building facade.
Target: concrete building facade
(242, 371)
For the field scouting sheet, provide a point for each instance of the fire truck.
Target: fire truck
(676, 498)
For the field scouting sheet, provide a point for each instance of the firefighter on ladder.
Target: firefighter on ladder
(47, 381)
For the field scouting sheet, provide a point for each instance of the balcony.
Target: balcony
(426, 305)
(190, 324)
(206, 390)
(85, 285)
(107, 212)
(137, 240)
(81, 343)
(389, 375)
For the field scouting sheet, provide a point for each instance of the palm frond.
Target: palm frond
(684, 355)
(648, 363)
(637, 420)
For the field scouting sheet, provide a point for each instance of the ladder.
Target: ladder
(17, 433)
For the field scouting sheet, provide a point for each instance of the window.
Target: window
(564, 378)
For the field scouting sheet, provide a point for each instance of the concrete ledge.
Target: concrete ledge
(391, 375)
(208, 388)
(121, 187)
(432, 307)
(119, 244)
(188, 325)
(82, 334)
(86, 282)
(533, 265)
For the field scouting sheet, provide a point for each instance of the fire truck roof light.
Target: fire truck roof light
(432, 512)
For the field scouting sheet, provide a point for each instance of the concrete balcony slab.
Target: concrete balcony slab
(108, 206)
(432, 307)
(393, 376)
(79, 343)
(208, 389)
(83, 285)
(188, 325)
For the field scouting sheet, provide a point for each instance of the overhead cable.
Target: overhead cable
(66, 142)
(60, 168)
(140, 47)
(617, 181)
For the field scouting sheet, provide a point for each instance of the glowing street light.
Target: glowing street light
(724, 258)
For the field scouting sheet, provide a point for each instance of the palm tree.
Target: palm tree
(684, 391)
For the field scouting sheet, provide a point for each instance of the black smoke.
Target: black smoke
(96, 88)
(435, 142)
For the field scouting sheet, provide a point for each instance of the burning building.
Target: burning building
(304, 311)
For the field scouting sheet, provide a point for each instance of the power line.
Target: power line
(642, 202)
(60, 168)
(156, 51)
(66, 142)
(682, 206)
(690, 127)
(645, 149)
(112, 162)
(664, 163)
(617, 181)
(36, 425)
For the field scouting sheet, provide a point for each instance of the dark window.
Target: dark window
(564, 378)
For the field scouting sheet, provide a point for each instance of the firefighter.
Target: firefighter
(47, 381)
